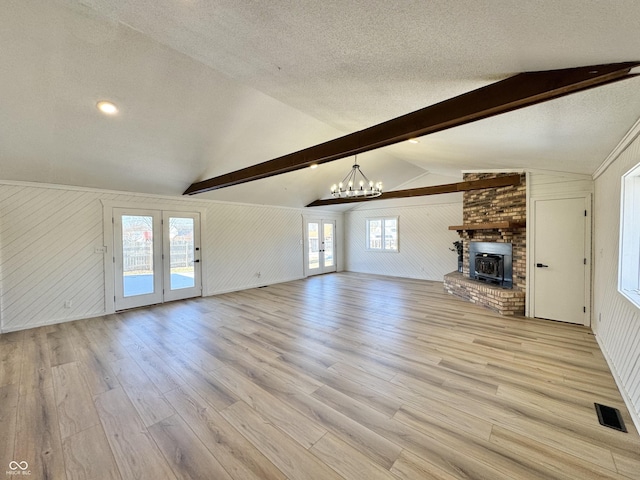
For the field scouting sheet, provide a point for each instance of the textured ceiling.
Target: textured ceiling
(207, 87)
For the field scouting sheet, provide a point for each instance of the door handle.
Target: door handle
(541, 265)
(196, 261)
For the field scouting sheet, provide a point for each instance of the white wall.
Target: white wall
(48, 237)
(616, 320)
(545, 185)
(424, 239)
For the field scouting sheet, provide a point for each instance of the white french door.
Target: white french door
(182, 267)
(320, 246)
(137, 257)
(156, 256)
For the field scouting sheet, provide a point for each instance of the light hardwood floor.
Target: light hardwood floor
(337, 376)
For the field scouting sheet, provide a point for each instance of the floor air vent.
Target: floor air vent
(610, 417)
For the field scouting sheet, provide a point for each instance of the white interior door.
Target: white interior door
(320, 246)
(560, 260)
(156, 257)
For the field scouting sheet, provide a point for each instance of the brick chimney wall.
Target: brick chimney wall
(496, 205)
(489, 206)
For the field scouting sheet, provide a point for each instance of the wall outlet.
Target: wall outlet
(68, 303)
(258, 274)
(100, 250)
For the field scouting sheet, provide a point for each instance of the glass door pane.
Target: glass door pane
(328, 245)
(182, 267)
(137, 255)
(314, 245)
(137, 258)
(181, 253)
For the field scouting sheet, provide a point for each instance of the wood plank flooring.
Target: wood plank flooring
(341, 376)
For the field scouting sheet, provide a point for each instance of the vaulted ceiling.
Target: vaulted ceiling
(208, 87)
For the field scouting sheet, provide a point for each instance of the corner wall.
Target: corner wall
(616, 321)
(424, 241)
(49, 235)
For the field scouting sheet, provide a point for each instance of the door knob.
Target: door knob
(196, 261)
(541, 265)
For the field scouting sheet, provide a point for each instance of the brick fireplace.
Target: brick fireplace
(493, 215)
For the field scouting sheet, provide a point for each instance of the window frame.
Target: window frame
(629, 243)
(382, 248)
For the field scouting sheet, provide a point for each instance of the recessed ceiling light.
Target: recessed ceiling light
(413, 140)
(313, 165)
(107, 108)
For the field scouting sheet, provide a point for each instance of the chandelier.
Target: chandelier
(356, 184)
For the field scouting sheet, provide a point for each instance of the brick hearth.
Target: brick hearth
(506, 301)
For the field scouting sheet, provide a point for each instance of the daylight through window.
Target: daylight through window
(382, 234)
(629, 266)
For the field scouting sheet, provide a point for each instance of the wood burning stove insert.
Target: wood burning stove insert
(491, 262)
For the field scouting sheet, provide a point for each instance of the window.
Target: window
(629, 266)
(382, 234)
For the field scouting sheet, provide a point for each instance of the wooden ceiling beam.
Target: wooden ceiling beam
(505, 181)
(521, 90)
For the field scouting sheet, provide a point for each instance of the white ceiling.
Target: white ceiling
(207, 87)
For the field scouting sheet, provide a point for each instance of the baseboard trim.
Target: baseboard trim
(408, 277)
(635, 416)
(249, 287)
(102, 314)
(54, 321)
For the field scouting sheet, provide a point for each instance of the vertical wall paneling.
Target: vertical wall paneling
(51, 239)
(616, 320)
(424, 241)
